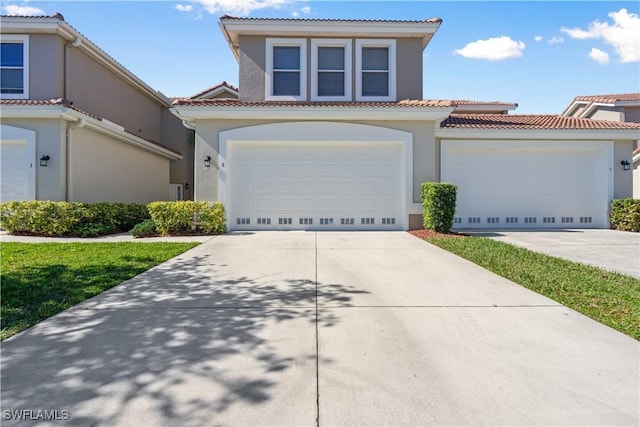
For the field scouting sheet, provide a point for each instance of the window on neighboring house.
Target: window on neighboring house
(375, 70)
(14, 67)
(286, 78)
(330, 70)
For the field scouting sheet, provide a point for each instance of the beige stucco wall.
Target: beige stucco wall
(107, 170)
(608, 113)
(176, 136)
(45, 66)
(50, 180)
(425, 163)
(622, 179)
(253, 58)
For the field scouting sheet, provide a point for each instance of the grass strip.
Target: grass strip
(41, 279)
(610, 298)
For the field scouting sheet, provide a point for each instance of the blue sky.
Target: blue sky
(538, 54)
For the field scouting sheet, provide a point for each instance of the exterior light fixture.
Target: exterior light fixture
(625, 165)
(207, 162)
(44, 160)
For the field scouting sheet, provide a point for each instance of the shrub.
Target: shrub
(187, 216)
(439, 205)
(49, 218)
(625, 214)
(145, 228)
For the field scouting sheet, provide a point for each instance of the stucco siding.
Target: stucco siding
(176, 136)
(50, 180)
(45, 66)
(632, 114)
(252, 68)
(608, 113)
(103, 169)
(94, 88)
(622, 179)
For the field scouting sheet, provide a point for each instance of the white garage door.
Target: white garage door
(528, 184)
(315, 186)
(17, 164)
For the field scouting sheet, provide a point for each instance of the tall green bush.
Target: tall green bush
(625, 214)
(439, 205)
(187, 216)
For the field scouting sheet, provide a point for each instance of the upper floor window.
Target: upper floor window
(330, 70)
(14, 66)
(286, 77)
(375, 70)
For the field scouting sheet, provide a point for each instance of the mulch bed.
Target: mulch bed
(424, 234)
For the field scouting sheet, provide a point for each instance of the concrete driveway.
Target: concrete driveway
(303, 328)
(612, 250)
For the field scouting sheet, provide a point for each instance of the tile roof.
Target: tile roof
(620, 97)
(431, 20)
(530, 121)
(212, 88)
(67, 104)
(337, 104)
(471, 102)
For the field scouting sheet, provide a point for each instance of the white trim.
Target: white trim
(346, 44)
(568, 112)
(538, 134)
(270, 43)
(331, 113)
(321, 132)
(24, 40)
(391, 45)
(14, 133)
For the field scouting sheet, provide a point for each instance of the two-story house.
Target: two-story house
(330, 131)
(78, 126)
(623, 107)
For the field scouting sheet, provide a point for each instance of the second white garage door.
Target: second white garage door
(533, 184)
(315, 185)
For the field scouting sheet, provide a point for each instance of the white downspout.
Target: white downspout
(69, 151)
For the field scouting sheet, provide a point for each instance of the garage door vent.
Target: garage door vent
(567, 219)
(306, 221)
(326, 221)
(264, 221)
(493, 220)
(388, 221)
(585, 220)
(474, 220)
(530, 220)
(346, 221)
(243, 221)
(367, 221)
(512, 220)
(284, 221)
(457, 220)
(549, 220)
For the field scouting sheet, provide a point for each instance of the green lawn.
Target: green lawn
(41, 279)
(609, 298)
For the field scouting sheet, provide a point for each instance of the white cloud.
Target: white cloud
(537, 38)
(494, 49)
(599, 56)
(302, 11)
(240, 7)
(15, 10)
(184, 7)
(623, 34)
(555, 40)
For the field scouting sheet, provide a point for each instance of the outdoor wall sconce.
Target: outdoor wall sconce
(186, 185)
(625, 165)
(44, 160)
(207, 162)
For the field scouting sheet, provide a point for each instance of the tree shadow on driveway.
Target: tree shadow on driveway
(181, 344)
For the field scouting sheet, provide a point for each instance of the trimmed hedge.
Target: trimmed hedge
(47, 218)
(439, 205)
(187, 216)
(625, 214)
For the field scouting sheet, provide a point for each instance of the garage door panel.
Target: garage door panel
(315, 185)
(533, 187)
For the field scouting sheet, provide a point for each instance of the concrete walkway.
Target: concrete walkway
(304, 328)
(612, 250)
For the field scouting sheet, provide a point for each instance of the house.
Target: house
(330, 131)
(78, 126)
(220, 91)
(624, 107)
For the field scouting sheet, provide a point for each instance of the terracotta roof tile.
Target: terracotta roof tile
(530, 121)
(236, 103)
(609, 98)
(471, 102)
(235, 18)
(212, 88)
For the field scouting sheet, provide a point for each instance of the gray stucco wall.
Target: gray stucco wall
(252, 65)
(632, 114)
(45, 66)
(622, 179)
(176, 136)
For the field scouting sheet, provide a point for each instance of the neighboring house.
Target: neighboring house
(78, 126)
(624, 107)
(330, 131)
(220, 91)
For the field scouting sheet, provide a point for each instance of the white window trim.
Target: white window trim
(315, 44)
(24, 40)
(391, 45)
(268, 84)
